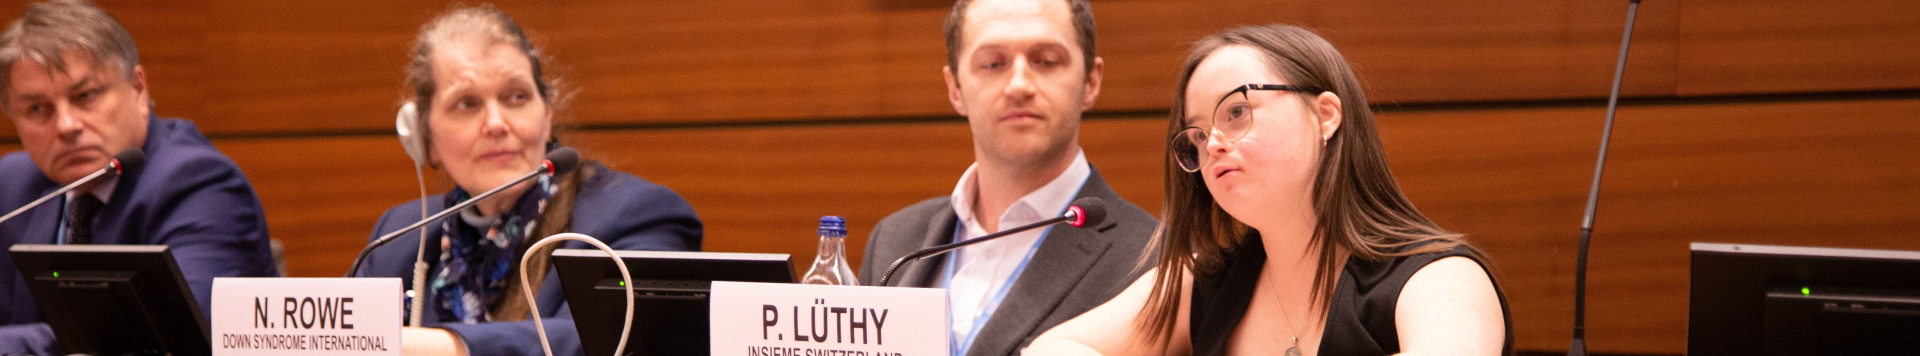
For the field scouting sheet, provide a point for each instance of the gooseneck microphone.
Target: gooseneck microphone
(1579, 344)
(559, 161)
(1085, 212)
(126, 162)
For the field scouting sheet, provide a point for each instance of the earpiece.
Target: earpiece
(407, 123)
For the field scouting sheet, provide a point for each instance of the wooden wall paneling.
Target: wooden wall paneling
(1130, 153)
(1798, 173)
(308, 67)
(323, 195)
(742, 61)
(763, 189)
(245, 67)
(170, 37)
(1499, 50)
(251, 67)
(834, 60)
(1745, 47)
(1762, 173)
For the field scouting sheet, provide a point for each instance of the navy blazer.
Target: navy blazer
(189, 197)
(623, 211)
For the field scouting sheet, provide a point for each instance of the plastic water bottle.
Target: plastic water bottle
(830, 264)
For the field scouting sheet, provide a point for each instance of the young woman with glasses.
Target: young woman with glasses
(1284, 232)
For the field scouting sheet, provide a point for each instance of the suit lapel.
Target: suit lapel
(43, 226)
(112, 225)
(1055, 270)
(925, 273)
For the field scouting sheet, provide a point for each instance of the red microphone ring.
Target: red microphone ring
(116, 166)
(1079, 216)
(549, 164)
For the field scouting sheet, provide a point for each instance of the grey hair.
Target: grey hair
(50, 28)
(483, 22)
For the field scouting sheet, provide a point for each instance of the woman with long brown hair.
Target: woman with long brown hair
(1284, 231)
(482, 110)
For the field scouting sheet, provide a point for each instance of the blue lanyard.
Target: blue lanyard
(60, 227)
(959, 346)
(993, 303)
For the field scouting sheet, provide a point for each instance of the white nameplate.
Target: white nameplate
(777, 319)
(306, 316)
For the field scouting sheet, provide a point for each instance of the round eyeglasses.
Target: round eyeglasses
(1231, 119)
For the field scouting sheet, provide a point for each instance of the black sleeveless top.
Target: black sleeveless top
(1359, 318)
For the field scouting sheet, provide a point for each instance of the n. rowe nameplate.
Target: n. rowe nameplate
(306, 316)
(777, 319)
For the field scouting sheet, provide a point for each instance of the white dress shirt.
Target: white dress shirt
(981, 271)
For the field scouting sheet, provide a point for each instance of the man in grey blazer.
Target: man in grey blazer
(1022, 71)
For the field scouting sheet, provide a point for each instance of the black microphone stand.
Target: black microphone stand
(109, 170)
(389, 237)
(125, 162)
(916, 255)
(1579, 345)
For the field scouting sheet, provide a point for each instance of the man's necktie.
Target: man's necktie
(80, 214)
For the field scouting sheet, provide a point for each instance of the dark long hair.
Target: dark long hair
(1358, 208)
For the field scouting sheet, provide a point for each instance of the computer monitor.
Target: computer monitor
(1783, 300)
(114, 299)
(670, 295)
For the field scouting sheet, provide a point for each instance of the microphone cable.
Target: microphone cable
(533, 308)
(417, 295)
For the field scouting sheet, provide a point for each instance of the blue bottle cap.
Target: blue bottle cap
(833, 226)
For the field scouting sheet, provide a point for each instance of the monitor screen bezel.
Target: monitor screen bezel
(585, 275)
(154, 280)
(1727, 293)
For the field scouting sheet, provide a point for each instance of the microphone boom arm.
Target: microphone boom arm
(57, 193)
(917, 255)
(389, 237)
(113, 168)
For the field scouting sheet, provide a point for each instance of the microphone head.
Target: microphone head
(562, 160)
(128, 161)
(1088, 211)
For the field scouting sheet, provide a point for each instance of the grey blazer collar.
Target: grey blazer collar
(1056, 269)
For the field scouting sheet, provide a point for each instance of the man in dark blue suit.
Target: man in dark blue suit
(74, 89)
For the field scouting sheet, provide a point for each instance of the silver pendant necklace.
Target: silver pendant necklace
(1293, 350)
